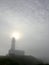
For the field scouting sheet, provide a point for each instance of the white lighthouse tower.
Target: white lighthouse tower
(12, 50)
(13, 44)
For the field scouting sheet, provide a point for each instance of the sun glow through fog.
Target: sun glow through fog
(16, 35)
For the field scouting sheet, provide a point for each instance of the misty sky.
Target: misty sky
(31, 17)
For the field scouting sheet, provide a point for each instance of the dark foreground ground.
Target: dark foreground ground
(20, 60)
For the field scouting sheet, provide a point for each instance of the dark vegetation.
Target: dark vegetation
(20, 60)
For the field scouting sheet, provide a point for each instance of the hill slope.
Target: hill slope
(18, 60)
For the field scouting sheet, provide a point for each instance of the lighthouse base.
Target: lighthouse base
(16, 52)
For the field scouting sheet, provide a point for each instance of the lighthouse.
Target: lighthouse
(14, 51)
(13, 44)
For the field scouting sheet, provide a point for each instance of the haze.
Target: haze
(31, 17)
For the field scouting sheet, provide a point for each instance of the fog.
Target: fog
(31, 17)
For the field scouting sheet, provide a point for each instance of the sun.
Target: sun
(16, 35)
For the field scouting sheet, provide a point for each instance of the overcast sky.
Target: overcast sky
(31, 17)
